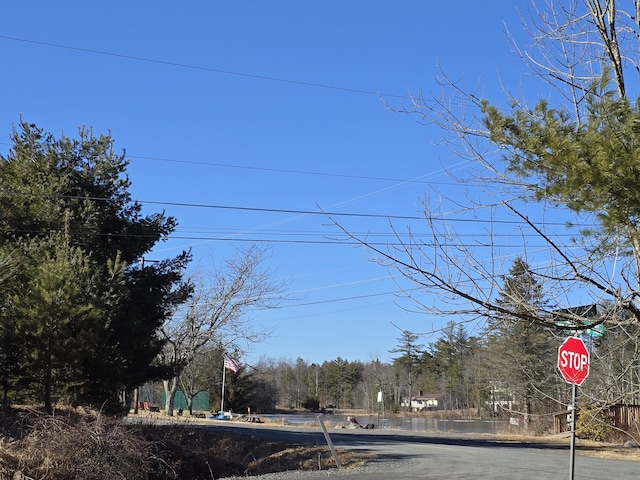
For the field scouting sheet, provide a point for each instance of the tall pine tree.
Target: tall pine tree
(522, 353)
(88, 311)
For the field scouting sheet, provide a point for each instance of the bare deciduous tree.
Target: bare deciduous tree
(218, 313)
(201, 374)
(586, 52)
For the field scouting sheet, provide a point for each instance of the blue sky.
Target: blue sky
(238, 115)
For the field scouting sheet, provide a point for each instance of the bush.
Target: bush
(593, 424)
(74, 446)
(311, 403)
(81, 447)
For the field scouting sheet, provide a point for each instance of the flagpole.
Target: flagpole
(224, 372)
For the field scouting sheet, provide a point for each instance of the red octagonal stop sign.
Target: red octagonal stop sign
(573, 360)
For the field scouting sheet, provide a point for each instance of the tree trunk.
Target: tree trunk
(48, 380)
(136, 400)
(527, 410)
(170, 388)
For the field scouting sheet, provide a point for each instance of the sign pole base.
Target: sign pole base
(572, 462)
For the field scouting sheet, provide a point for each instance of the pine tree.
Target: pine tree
(451, 355)
(11, 349)
(409, 360)
(57, 320)
(522, 353)
(86, 310)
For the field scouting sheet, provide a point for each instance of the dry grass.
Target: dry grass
(613, 451)
(69, 445)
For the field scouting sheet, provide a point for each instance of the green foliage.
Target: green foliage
(11, 348)
(409, 351)
(244, 390)
(590, 166)
(265, 396)
(342, 378)
(312, 403)
(57, 320)
(409, 360)
(452, 359)
(88, 328)
(593, 424)
(521, 351)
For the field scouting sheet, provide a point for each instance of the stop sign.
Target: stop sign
(573, 360)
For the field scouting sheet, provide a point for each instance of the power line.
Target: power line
(326, 241)
(486, 240)
(343, 299)
(417, 180)
(369, 234)
(287, 171)
(216, 206)
(201, 68)
(278, 170)
(282, 210)
(283, 170)
(396, 243)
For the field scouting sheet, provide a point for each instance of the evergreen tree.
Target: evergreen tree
(57, 318)
(522, 354)
(428, 379)
(342, 379)
(11, 349)
(589, 165)
(451, 354)
(88, 312)
(409, 360)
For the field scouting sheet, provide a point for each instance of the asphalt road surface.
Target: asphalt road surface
(406, 456)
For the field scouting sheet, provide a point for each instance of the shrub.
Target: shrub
(593, 424)
(83, 447)
(74, 446)
(311, 403)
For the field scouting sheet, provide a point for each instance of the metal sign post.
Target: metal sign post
(327, 437)
(573, 363)
(572, 450)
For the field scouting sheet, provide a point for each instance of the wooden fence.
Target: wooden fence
(561, 422)
(622, 416)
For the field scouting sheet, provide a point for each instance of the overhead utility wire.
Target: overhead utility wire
(195, 231)
(197, 67)
(283, 170)
(481, 242)
(276, 210)
(278, 170)
(213, 206)
(478, 244)
(334, 300)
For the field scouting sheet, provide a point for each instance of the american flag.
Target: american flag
(231, 364)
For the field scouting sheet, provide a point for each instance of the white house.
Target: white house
(423, 402)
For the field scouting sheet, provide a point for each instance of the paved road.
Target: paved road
(443, 456)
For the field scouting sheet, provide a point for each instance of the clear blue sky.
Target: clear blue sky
(263, 107)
